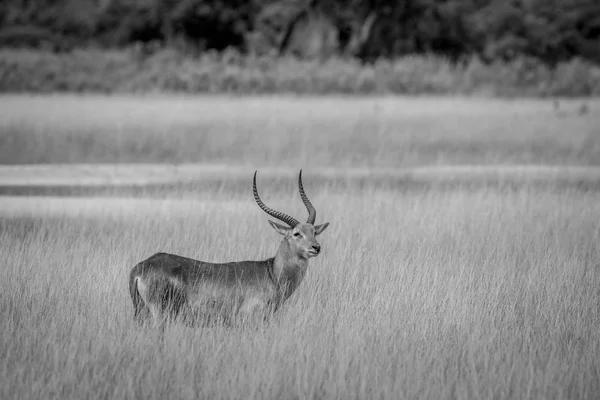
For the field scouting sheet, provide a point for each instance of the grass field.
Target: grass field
(297, 132)
(427, 291)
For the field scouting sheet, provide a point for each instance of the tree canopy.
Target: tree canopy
(550, 30)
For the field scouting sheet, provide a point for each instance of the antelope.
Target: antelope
(167, 286)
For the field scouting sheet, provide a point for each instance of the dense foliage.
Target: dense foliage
(549, 30)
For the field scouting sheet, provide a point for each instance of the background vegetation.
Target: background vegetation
(288, 131)
(555, 30)
(129, 71)
(483, 47)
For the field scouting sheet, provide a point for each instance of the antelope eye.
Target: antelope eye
(297, 234)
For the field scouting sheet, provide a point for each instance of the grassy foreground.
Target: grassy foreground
(432, 294)
(282, 131)
(423, 289)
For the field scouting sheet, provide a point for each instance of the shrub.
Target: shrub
(133, 70)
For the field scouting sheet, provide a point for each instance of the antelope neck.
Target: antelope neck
(288, 267)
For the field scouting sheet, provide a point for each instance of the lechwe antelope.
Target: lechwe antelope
(166, 286)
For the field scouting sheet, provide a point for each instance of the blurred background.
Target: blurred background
(539, 47)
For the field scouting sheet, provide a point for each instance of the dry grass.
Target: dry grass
(168, 71)
(296, 132)
(487, 287)
(426, 294)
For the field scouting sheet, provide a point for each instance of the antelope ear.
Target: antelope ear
(281, 229)
(320, 228)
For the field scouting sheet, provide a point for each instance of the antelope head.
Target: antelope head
(301, 238)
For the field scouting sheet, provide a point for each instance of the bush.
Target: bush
(166, 70)
(33, 37)
(553, 31)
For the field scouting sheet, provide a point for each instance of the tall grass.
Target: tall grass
(434, 293)
(286, 131)
(472, 289)
(131, 71)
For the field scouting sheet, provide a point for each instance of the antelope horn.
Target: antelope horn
(312, 213)
(292, 222)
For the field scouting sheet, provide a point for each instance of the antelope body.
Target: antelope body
(167, 286)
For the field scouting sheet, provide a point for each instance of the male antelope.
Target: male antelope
(167, 285)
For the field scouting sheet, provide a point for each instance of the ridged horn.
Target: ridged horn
(312, 213)
(292, 222)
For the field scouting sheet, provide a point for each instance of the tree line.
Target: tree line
(549, 30)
